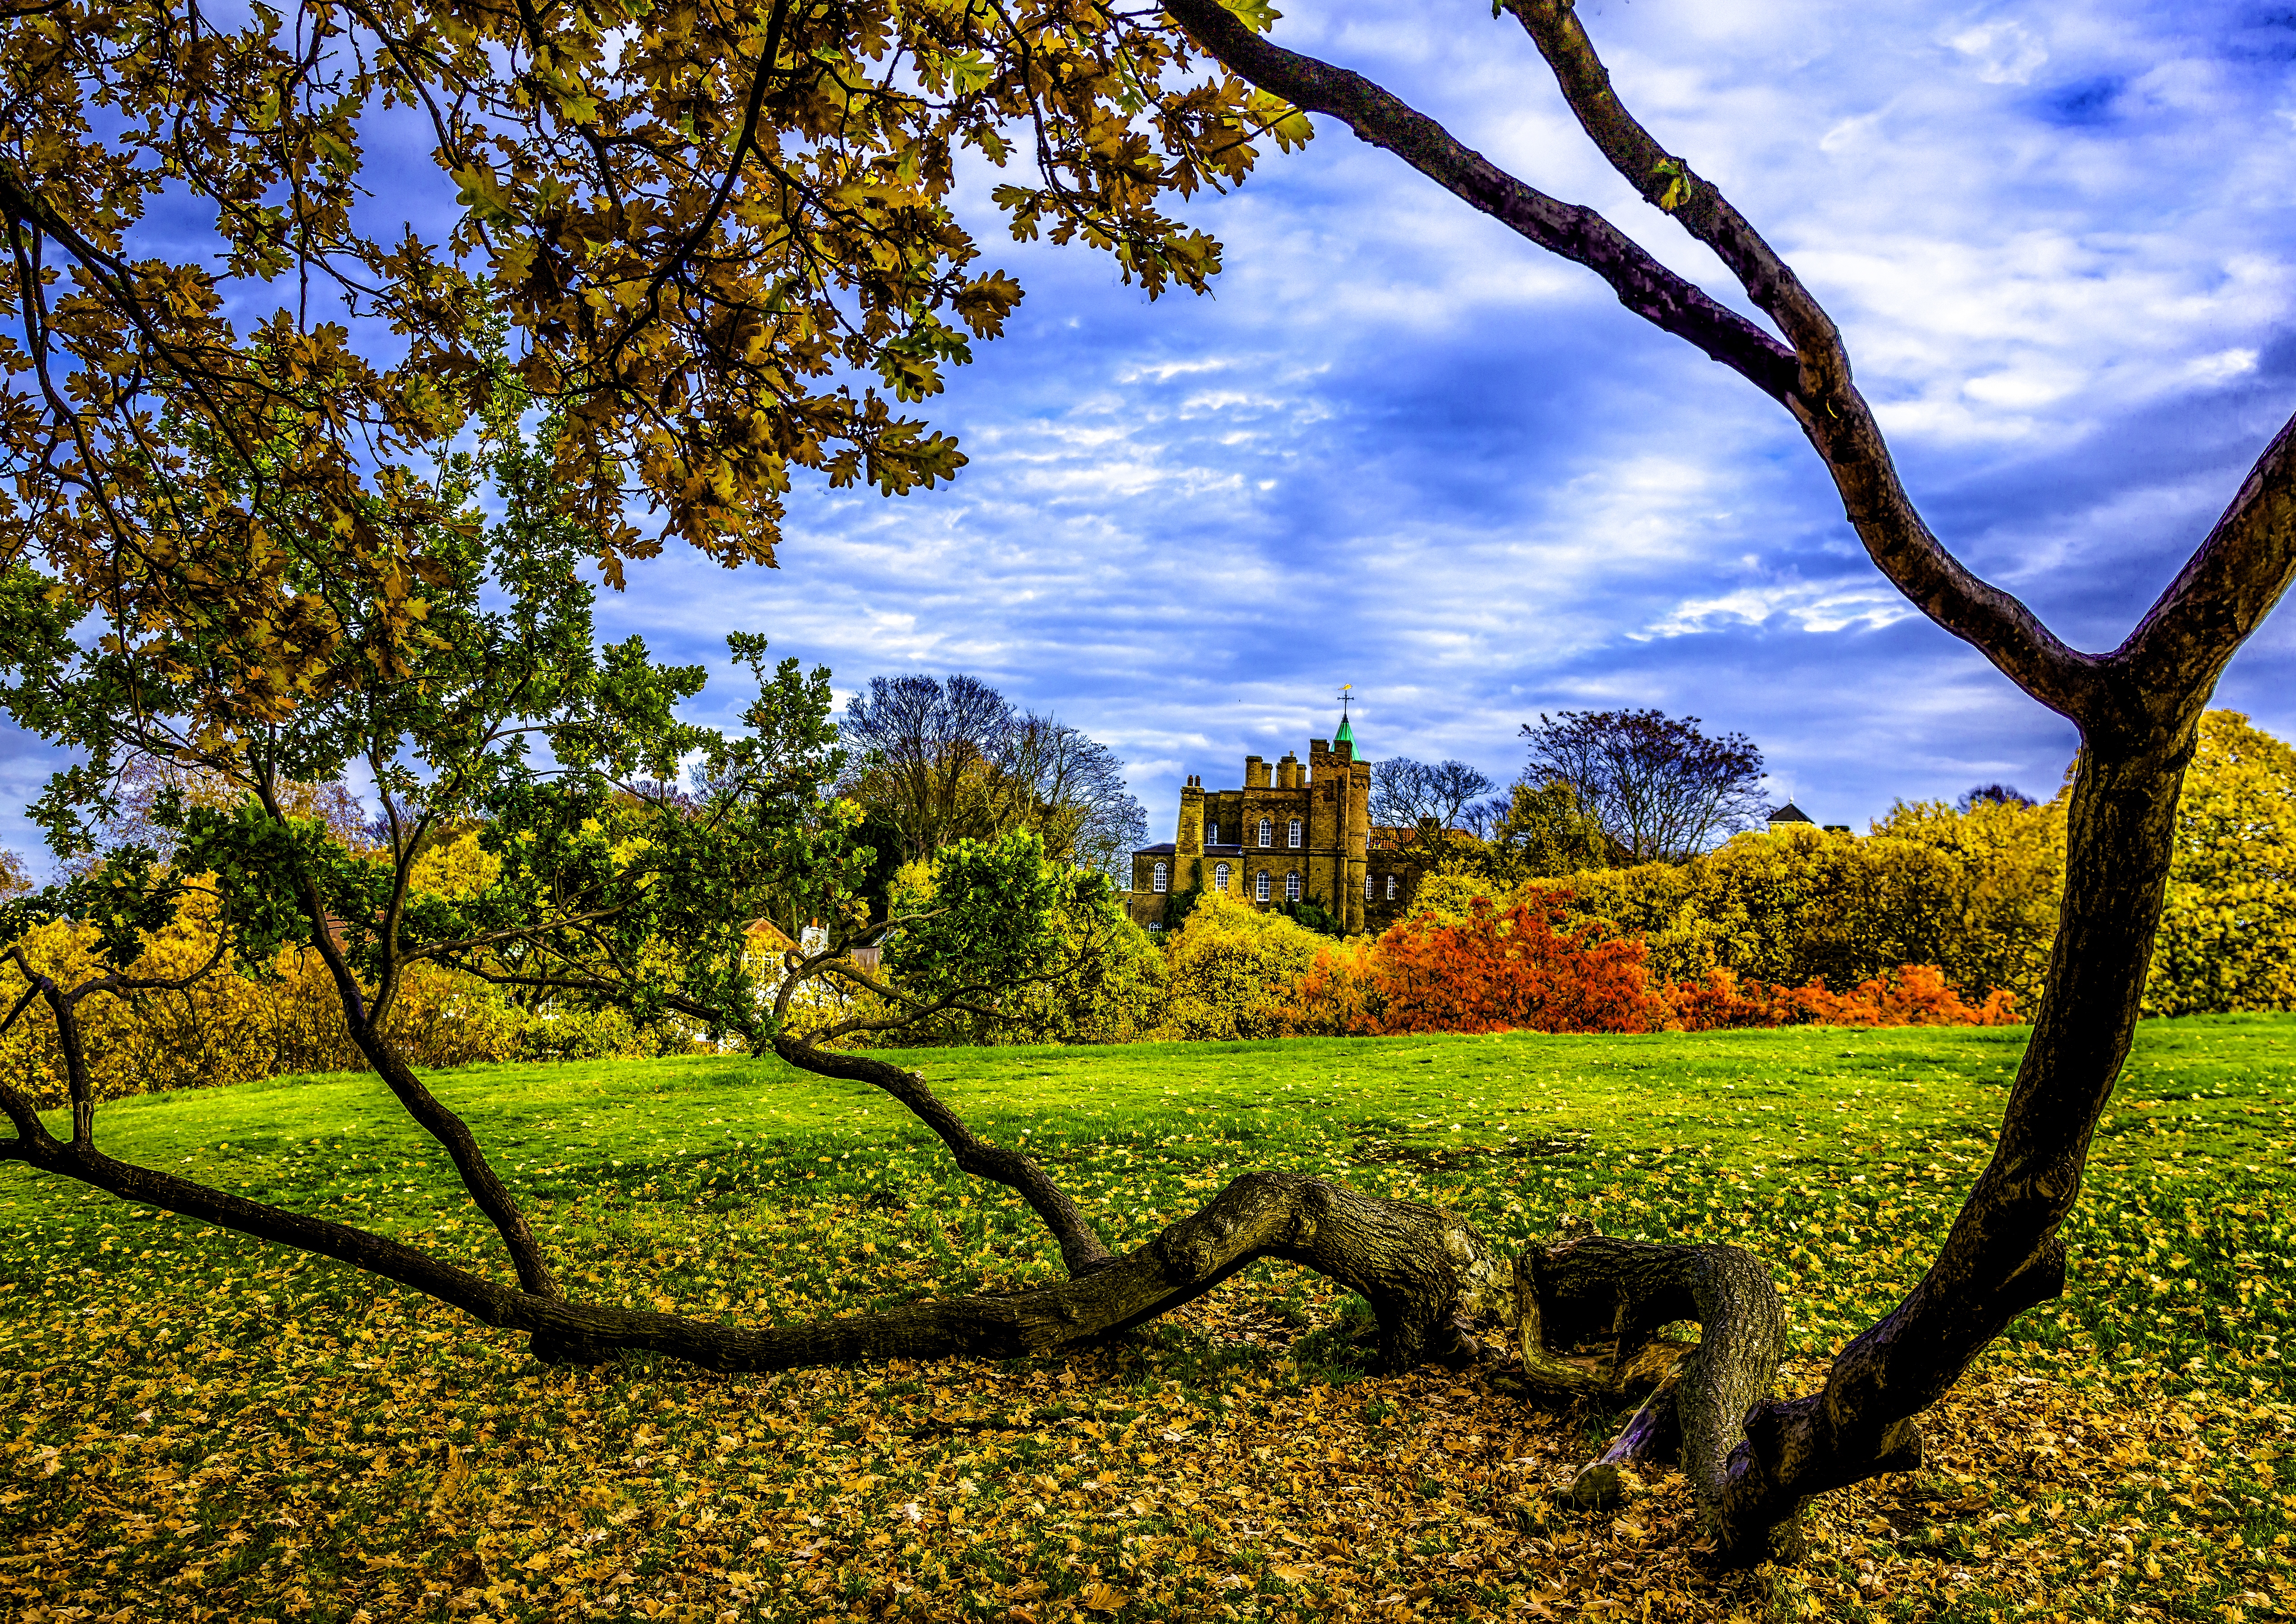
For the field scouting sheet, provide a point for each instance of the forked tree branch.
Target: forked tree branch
(1811, 380)
(1082, 1250)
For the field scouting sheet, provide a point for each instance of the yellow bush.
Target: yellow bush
(2012, 864)
(1974, 895)
(227, 1028)
(2227, 936)
(1233, 969)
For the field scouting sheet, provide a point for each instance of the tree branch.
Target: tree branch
(1832, 413)
(1571, 230)
(452, 1133)
(2226, 589)
(1811, 380)
(1082, 1250)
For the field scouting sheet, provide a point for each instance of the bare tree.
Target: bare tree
(1753, 1458)
(924, 752)
(1070, 789)
(1427, 801)
(1658, 787)
(953, 760)
(1994, 795)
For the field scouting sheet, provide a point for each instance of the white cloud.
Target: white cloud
(2221, 367)
(2006, 53)
(1810, 606)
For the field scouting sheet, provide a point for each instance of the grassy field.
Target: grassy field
(201, 1428)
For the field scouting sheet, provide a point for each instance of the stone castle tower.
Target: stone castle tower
(1296, 831)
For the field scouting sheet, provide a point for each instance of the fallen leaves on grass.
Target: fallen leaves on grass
(204, 1430)
(1222, 1468)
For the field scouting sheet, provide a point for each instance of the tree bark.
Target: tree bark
(1622, 1292)
(2002, 1255)
(478, 1178)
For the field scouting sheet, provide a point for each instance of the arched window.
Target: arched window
(1291, 888)
(1390, 888)
(1260, 886)
(1212, 835)
(1295, 834)
(1266, 833)
(1219, 877)
(1367, 883)
(1163, 877)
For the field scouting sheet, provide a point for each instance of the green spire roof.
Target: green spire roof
(1346, 735)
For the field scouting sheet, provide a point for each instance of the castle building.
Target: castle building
(1296, 831)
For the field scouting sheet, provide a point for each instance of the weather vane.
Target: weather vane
(1346, 695)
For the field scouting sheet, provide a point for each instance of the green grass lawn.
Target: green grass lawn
(201, 1427)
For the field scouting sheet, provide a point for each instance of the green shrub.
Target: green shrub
(1079, 972)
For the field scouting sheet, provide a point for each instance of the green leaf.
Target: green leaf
(1673, 179)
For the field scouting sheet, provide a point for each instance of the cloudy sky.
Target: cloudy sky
(1399, 447)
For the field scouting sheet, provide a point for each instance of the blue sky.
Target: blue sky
(1398, 446)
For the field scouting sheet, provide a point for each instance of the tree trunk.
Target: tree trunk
(2002, 1255)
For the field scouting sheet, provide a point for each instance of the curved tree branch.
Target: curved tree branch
(2226, 589)
(1812, 380)
(1571, 230)
(1082, 1250)
(1827, 404)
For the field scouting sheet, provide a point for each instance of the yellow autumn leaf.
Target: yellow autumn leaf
(452, 1481)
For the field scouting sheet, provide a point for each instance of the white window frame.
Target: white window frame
(1219, 876)
(1162, 878)
(1266, 833)
(1390, 888)
(1295, 834)
(1260, 889)
(1212, 835)
(1368, 883)
(1291, 886)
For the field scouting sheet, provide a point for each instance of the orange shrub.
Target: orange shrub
(1496, 971)
(1913, 994)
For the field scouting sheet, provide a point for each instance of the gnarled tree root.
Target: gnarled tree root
(1621, 1293)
